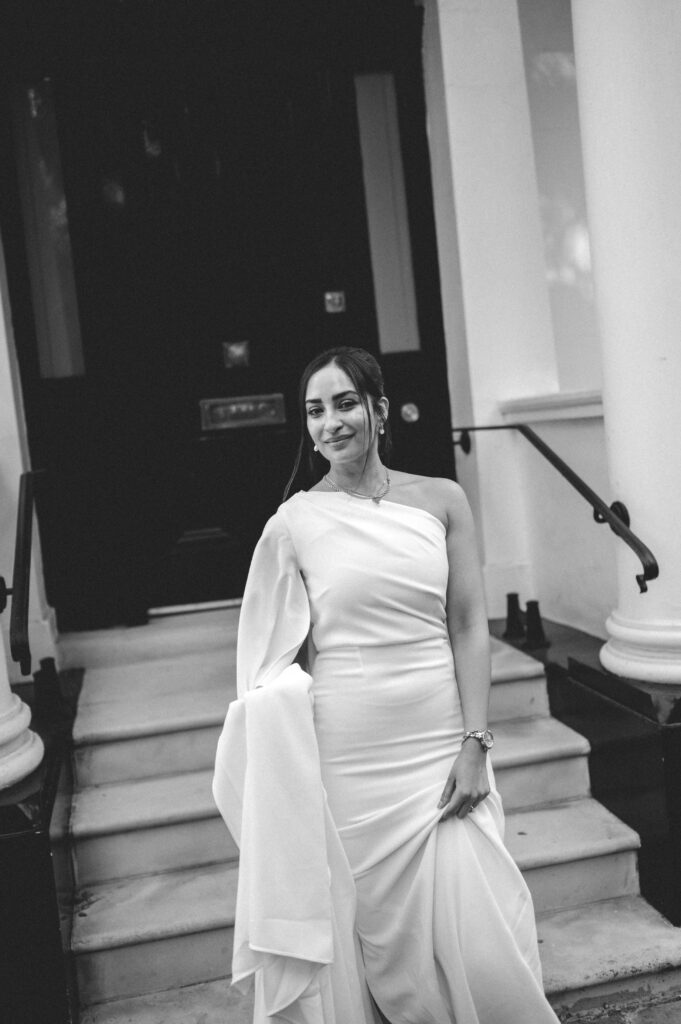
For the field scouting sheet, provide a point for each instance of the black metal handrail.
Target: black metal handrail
(615, 515)
(21, 578)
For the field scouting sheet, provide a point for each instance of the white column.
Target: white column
(494, 294)
(14, 459)
(20, 749)
(628, 57)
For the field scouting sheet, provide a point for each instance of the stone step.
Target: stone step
(178, 924)
(518, 684)
(144, 718)
(161, 637)
(617, 952)
(138, 700)
(213, 1002)
(145, 757)
(154, 932)
(162, 679)
(169, 822)
(539, 761)
(157, 824)
(573, 853)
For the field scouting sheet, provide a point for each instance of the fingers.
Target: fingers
(447, 791)
(466, 809)
(461, 804)
(464, 790)
(460, 807)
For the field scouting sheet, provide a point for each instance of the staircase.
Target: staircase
(157, 871)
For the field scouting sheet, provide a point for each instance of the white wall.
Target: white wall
(571, 559)
(491, 256)
(572, 556)
(546, 30)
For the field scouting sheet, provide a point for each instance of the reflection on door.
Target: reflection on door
(46, 227)
(386, 204)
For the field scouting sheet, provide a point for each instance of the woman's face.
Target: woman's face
(336, 418)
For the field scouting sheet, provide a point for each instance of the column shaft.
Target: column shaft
(20, 749)
(628, 57)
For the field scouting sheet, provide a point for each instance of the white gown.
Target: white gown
(443, 916)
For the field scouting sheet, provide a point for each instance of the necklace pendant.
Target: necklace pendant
(377, 499)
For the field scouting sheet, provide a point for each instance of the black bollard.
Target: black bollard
(535, 636)
(515, 628)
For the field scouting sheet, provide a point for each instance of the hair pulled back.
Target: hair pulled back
(367, 380)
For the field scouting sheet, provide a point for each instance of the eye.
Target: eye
(347, 403)
(313, 410)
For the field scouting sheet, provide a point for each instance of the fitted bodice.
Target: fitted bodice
(374, 574)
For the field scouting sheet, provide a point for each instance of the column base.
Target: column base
(649, 651)
(20, 749)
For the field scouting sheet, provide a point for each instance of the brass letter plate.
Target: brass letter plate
(242, 411)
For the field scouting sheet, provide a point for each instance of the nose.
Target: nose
(332, 422)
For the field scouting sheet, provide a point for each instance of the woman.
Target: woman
(378, 569)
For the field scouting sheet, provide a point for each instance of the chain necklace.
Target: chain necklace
(380, 493)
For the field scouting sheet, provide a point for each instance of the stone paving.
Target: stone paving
(667, 1011)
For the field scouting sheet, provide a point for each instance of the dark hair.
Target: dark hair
(367, 379)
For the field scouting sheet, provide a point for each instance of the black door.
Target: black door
(213, 177)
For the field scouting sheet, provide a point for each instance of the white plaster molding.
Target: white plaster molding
(561, 405)
(13, 721)
(650, 651)
(20, 762)
(20, 749)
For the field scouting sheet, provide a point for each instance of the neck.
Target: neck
(358, 476)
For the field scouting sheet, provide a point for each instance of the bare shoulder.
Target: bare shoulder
(452, 499)
(443, 498)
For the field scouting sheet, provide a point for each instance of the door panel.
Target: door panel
(215, 194)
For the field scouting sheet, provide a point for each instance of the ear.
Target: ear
(382, 407)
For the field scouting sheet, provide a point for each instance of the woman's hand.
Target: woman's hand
(467, 783)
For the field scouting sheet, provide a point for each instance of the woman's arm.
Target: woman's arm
(468, 782)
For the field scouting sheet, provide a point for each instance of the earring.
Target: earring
(315, 449)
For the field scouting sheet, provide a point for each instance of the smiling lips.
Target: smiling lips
(336, 440)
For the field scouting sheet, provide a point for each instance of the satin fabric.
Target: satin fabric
(443, 916)
(294, 934)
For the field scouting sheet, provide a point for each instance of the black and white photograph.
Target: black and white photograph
(340, 566)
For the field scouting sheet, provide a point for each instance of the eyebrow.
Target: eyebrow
(341, 394)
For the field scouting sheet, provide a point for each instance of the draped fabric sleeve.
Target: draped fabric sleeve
(275, 612)
(273, 623)
(294, 938)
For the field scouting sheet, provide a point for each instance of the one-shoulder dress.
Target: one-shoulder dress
(443, 918)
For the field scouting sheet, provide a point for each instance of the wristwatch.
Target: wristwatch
(484, 738)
